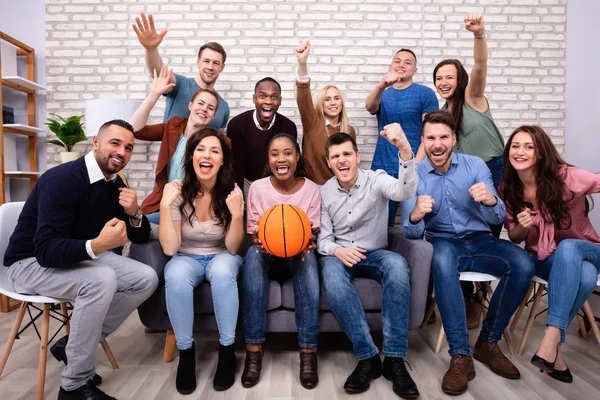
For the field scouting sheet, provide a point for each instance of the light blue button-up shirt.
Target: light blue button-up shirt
(455, 214)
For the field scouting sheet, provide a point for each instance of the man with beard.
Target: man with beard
(397, 99)
(454, 205)
(210, 63)
(76, 213)
(251, 131)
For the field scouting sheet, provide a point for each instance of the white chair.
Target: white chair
(483, 293)
(538, 291)
(9, 214)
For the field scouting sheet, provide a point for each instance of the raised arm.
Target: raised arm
(169, 230)
(150, 39)
(475, 89)
(374, 98)
(161, 84)
(235, 234)
(302, 53)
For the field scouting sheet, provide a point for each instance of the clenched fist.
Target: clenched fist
(171, 192)
(524, 218)
(302, 52)
(389, 79)
(235, 202)
(423, 206)
(395, 135)
(482, 194)
(474, 23)
(114, 234)
(128, 200)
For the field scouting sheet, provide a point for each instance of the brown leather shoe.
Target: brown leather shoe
(252, 368)
(489, 353)
(473, 313)
(461, 371)
(309, 373)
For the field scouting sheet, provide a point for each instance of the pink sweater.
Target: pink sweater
(543, 237)
(262, 196)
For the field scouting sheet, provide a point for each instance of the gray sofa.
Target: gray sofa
(280, 315)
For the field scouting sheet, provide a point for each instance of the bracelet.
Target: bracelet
(483, 35)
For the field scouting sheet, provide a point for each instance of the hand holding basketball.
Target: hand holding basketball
(284, 230)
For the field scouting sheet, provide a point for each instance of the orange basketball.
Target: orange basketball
(284, 230)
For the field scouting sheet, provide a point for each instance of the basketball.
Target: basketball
(284, 230)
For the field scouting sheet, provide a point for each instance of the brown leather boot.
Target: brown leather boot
(489, 353)
(252, 368)
(473, 312)
(309, 373)
(461, 371)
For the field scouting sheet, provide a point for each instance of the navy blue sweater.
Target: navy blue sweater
(62, 212)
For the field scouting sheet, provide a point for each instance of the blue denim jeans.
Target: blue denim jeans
(572, 272)
(486, 254)
(154, 218)
(391, 270)
(255, 294)
(183, 273)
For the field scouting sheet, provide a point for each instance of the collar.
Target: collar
(94, 171)
(327, 123)
(258, 125)
(360, 182)
(429, 168)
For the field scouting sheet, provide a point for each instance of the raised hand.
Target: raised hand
(146, 32)
(389, 79)
(128, 200)
(474, 23)
(524, 218)
(482, 194)
(349, 256)
(423, 206)
(235, 202)
(395, 135)
(161, 81)
(302, 52)
(171, 192)
(114, 234)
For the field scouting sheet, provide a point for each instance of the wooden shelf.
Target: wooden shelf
(21, 129)
(22, 174)
(22, 84)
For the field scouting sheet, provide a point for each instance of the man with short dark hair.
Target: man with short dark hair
(251, 131)
(454, 205)
(397, 99)
(353, 240)
(210, 63)
(76, 213)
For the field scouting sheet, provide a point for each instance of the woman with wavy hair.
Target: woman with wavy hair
(546, 206)
(326, 116)
(201, 226)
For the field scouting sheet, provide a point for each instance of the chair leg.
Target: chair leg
(508, 340)
(12, 336)
(534, 306)
(65, 313)
(582, 327)
(440, 340)
(517, 316)
(169, 346)
(428, 313)
(43, 353)
(590, 316)
(109, 354)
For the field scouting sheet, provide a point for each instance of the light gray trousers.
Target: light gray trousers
(105, 291)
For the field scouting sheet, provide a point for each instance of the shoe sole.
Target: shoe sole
(58, 356)
(495, 371)
(219, 388)
(249, 385)
(361, 390)
(404, 396)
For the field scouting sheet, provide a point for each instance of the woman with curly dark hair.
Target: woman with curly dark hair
(201, 226)
(546, 206)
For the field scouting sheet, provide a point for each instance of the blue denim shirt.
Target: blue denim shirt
(455, 214)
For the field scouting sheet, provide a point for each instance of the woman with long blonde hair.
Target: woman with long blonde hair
(326, 116)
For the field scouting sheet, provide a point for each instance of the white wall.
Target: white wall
(582, 136)
(25, 21)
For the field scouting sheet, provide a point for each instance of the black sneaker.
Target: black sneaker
(86, 392)
(360, 379)
(394, 370)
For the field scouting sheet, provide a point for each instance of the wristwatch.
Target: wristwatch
(138, 215)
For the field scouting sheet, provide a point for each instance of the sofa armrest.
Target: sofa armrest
(418, 253)
(150, 253)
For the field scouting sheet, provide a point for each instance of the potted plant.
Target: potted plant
(68, 132)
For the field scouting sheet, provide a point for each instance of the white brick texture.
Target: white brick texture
(92, 52)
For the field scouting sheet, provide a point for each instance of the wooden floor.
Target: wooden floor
(144, 376)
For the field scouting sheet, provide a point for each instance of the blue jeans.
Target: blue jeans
(572, 272)
(183, 273)
(255, 294)
(154, 217)
(391, 270)
(486, 254)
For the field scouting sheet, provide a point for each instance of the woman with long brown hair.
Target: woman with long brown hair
(546, 206)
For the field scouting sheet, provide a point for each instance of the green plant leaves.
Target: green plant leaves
(68, 131)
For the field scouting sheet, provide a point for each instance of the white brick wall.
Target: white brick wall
(92, 52)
